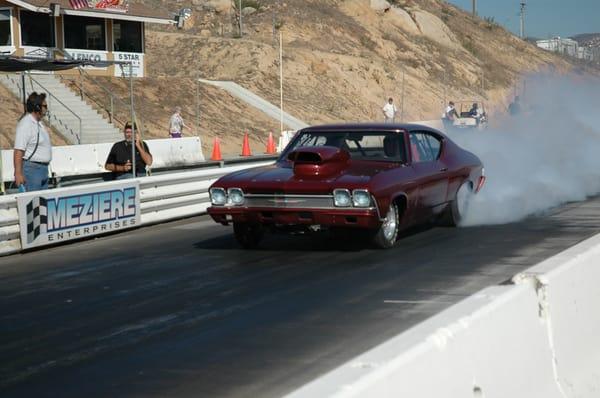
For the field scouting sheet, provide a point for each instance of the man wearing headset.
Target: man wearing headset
(33, 149)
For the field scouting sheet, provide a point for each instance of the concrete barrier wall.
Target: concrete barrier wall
(72, 160)
(537, 338)
(569, 299)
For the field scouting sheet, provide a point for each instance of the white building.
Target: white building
(96, 30)
(585, 53)
(560, 45)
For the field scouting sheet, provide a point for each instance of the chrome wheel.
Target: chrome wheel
(388, 231)
(390, 224)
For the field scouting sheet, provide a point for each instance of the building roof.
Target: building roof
(136, 12)
(12, 63)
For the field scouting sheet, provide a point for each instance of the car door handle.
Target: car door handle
(444, 169)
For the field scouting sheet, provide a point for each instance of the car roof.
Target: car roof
(370, 126)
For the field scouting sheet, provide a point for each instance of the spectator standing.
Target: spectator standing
(119, 157)
(389, 111)
(176, 124)
(33, 149)
(450, 115)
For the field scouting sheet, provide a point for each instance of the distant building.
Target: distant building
(97, 30)
(560, 45)
(585, 53)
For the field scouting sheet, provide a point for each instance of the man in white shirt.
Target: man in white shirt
(33, 149)
(389, 111)
(450, 112)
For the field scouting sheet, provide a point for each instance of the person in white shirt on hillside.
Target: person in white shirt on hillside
(389, 111)
(176, 124)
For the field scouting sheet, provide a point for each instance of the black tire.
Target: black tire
(457, 208)
(248, 235)
(387, 234)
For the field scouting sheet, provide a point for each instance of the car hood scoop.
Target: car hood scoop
(318, 161)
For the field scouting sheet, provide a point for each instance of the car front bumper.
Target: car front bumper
(342, 217)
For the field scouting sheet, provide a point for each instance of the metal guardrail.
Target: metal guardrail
(162, 198)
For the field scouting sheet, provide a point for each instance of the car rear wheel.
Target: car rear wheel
(458, 207)
(248, 235)
(388, 231)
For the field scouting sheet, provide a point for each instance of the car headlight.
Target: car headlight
(342, 198)
(361, 198)
(236, 196)
(218, 196)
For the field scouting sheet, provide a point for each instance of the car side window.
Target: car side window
(434, 145)
(425, 147)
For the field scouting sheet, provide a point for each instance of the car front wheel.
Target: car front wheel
(388, 231)
(248, 235)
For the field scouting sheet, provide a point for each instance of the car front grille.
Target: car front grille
(282, 201)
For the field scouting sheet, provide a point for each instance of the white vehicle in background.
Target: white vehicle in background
(471, 114)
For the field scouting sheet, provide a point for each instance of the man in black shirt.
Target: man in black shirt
(119, 158)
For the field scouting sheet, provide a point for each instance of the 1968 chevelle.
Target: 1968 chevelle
(378, 178)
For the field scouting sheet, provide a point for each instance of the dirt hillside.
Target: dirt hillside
(341, 60)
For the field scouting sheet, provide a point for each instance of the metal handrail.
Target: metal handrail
(112, 97)
(63, 104)
(135, 116)
(111, 115)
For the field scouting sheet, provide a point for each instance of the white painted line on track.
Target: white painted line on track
(417, 302)
(195, 225)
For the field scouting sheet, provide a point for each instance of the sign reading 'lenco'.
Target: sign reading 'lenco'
(48, 217)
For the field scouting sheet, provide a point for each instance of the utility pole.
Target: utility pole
(402, 104)
(522, 15)
(240, 10)
(281, 81)
(474, 8)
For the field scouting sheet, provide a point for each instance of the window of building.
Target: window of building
(128, 36)
(85, 33)
(5, 32)
(36, 29)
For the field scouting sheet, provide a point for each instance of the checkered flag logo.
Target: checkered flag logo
(37, 218)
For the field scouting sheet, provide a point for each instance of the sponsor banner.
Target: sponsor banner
(137, 59)
(88, 55)
(48, 217)
(109, 5)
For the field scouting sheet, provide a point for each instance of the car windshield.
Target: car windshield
(368, 145)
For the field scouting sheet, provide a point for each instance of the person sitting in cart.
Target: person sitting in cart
(476, 113)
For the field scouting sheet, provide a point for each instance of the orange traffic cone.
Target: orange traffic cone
(216, 153)
(246, 146)
(271, 144)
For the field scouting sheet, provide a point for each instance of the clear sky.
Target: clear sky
(543, 18)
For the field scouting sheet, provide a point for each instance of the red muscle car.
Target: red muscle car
(380, 178)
